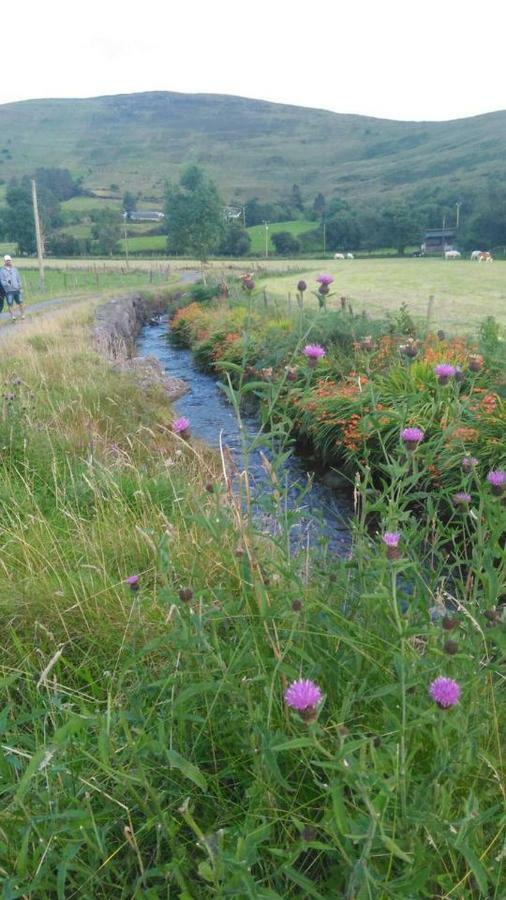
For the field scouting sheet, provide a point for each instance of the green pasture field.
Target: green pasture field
(86, 204)
(88, 280)
(257, 233)
(464, 292)
(149, 242)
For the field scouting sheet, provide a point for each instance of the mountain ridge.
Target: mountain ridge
(251, 147)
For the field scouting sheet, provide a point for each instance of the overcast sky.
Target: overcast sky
(432, 59)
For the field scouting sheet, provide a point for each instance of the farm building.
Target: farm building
(143, 215)
(437, 240)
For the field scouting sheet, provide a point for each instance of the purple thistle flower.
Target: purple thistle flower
(313, 352)
(444, 371)
(181, 427)
(468, 463)
(445, 691)
(497, 477)
(133, 582)
(462, 498)
(391, 539)
(304, 696)
(412, 437)
(497, 480)
(325, 279)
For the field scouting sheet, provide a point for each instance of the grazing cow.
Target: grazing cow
(339, 256)
(452, 254)
(475, 255)
(350, 256)
(485, 256)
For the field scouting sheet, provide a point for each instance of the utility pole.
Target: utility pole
(458, 205)
(266, 239)
(444, 235)
(38, 235)
(126, 241)
(324, 238)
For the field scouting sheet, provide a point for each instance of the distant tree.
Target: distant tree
(318, 210)
(129, 203)
(194, 214)
(235, 241)
(106, 230)
(256, 212)
(61, 244)
(19, 221)
(398, 226)
(296, 199)
(285, 243)
(59, 182)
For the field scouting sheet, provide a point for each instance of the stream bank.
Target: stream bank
(321, 514)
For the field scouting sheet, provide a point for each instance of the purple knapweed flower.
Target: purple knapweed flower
(181, 427)
(462, 498)
(444, 371)
(313, 352)
(133, 582)
(391, 540)
(468, 463)
(497, 480)
(304, 696)
(445, 691)
(325, 279)
(412, 437)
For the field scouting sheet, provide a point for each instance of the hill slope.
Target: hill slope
(251, 147)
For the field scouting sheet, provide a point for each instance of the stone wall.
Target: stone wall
(117, 324)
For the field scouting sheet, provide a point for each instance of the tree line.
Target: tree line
(195, 224)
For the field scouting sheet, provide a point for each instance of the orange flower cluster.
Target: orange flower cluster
(463, 433)
(187, 314)
(453, 350)
(486, 402)
(351, 432)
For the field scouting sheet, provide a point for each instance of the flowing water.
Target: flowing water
(316, 517)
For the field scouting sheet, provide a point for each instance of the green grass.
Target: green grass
(464, 293)
(88, 204)
(257, 233)
(86, 280)
(146, 748)
(152, 243)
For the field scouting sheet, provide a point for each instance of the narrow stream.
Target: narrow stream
(323, 513)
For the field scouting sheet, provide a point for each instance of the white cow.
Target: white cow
(475, 255)
(350, 256)
(452, 254)
(339, 256)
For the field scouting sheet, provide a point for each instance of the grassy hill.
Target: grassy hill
(251, 147)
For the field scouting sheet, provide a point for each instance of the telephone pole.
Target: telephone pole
(38, 235)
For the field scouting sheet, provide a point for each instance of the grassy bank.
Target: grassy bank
(146, 746)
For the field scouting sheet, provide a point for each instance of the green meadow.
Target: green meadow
(154, 739)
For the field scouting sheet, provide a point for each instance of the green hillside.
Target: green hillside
(250, 147)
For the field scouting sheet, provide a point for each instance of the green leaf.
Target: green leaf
(475, 865)
(338, 807)
(395, 849)
(186, 768)
(293, 744)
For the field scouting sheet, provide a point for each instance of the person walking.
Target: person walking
(11, 284)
